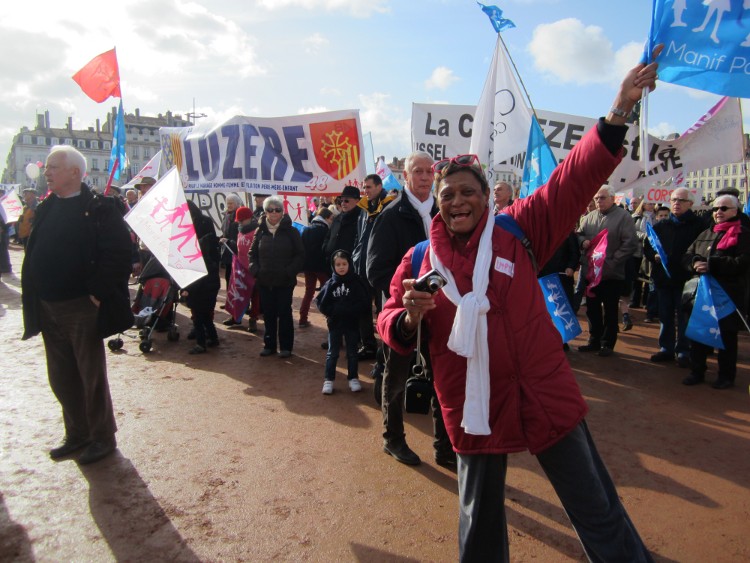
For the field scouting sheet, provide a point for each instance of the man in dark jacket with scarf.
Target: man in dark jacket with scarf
(675, 235)
(375, 200)
(75, 292)
(404, 223)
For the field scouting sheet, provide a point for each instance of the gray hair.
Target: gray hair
(735, 201)
(607, 188)
(414, 156)
(234, 198)
(274, 200)
(689, 195)
(73, 157)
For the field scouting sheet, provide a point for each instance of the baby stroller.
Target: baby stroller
(154, 307)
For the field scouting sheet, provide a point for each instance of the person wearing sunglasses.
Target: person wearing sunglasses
(276, 257)
(675, 236)
(602, 309)
(499, 370)
(722, 251)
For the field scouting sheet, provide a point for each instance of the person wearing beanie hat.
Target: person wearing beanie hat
(242, 293)
(242, 214)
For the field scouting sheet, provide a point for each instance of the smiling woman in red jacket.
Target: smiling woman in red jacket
(500, 374)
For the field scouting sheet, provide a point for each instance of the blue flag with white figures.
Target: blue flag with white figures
(496, 18)
(559, 307)
(655, 243)
(706, 44)
(540, 161)
(711, 304)
(118, 146)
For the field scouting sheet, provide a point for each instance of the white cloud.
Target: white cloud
(570, 51)
(441, 78)
(357, 8)
(312, 109)
(315, 43)
(391, 130)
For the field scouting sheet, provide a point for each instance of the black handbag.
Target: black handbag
(418, 390)
(689, 290)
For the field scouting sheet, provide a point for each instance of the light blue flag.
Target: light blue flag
(496, 18)
(655, 243)
(711, 304)
(540, 162)
(390, 182)
(559, 307)
(747, 207)
(118, 146)
(706, 44)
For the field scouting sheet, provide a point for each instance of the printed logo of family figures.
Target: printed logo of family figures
(182, 227)
(561, 309)
(715, 8)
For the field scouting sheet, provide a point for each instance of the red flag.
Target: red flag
(596, 253)
(100, 78)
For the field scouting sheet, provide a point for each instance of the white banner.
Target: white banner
(441, 130)
(162, 221)
(11, 207)
(714, 140)
(151, 169)
(305, 154)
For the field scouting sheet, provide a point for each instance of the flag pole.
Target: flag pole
(744, 153)
(518, 75)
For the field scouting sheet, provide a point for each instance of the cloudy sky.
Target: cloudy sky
(270, 58)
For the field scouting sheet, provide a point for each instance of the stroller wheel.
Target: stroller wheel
(115, 344)
(173, 334)
(145, 346)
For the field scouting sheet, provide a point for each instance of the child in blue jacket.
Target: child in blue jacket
(343, 299)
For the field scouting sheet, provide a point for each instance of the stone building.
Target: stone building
(33, 145)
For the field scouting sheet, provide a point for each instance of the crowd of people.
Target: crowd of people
(358, 262)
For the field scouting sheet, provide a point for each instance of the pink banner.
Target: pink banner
(596, 253)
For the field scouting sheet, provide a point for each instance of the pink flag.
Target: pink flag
(596, 254)
(241, 282)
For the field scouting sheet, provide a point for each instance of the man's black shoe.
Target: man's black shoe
(366, 353)
(446, 458)
(589, 348)
(662, 356)
(722, 384)
(97, 451)
(693, 379)
(69, 446)
(605, 352)
(402, 453)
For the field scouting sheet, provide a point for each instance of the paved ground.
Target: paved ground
(232, 457)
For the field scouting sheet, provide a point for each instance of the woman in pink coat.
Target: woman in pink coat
(500, 374)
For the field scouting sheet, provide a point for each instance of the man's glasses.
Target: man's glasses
(460, 160)
(679, 200)
(722, 208)
(274, 210)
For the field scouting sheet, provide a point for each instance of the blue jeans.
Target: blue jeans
(670, 303)
(351, 337)
(580, 480)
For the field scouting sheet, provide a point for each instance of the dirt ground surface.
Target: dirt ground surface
(232, 457)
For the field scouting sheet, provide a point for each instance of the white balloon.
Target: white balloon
(32, 171)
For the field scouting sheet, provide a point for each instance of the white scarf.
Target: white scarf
(423, 208)
(468, 337)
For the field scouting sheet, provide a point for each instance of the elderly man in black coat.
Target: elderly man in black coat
(75, 292)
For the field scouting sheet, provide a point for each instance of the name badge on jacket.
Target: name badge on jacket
(504, 266)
